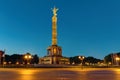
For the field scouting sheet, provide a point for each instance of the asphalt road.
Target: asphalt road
(59, 74)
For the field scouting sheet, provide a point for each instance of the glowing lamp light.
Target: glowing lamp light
(117, 58)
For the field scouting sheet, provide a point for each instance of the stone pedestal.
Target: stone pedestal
(55, 52)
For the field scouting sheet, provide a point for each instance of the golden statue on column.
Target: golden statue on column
(55, 11)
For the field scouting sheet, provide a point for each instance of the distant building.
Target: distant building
(54, 52)
(115, 59)
(1, 56)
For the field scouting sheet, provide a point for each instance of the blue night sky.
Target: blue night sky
(85, 27)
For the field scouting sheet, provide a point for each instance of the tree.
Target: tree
(108, 58)
(75, 60)
(89, 60)
(35, 59)
(16, 58)
(20, 59)
(92, 60)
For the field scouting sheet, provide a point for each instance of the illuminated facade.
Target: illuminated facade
(54, 52)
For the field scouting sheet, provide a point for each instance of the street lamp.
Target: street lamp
(28, 57)
(117, 60)
(81, 58)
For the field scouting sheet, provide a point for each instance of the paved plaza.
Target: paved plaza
(59, 74)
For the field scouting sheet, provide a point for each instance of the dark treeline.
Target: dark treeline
(87, 60)
(20, 59)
